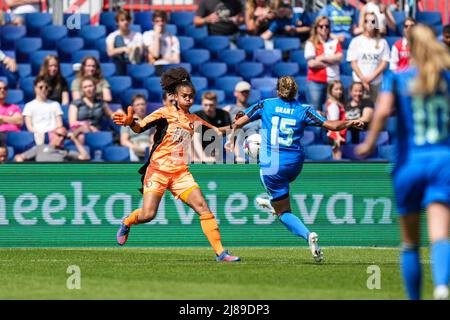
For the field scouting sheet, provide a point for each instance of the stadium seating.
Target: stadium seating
(100, 45)
(216, 43)
(250, 70)
(383, 138)
(227, 84)
(20, 141)
(24, 70)
(27, 87)
(97, 141)
(219, 93)
(144, 19)
(139, 72)
(76, 23)
(108, 69)
(79, 55)
(298, 56)
(37, 58)
(186, 43)
(172, 29)
(66, 69)
(286, 44)
(135, 27)
(318, 152)
(182, 19)
(200, 83)
(92, 34)
(267, 86)
(118, 85)
(431, 18)
(10, 153)
(184, 65)
(51, 35)
(301, 81)
(213, 70)
(116, 153)
(250, 44)
(10, 34)
(67, 46)
(26, 47)
(108, 19)
(285, 69)
(255, 96)
(35, 22)
(127, 95)
(196, 57)
(198, 34)
(232, 57)
(308, 138)
(15, 96)
(152, 84)
(267, 58)
(386, 152)
(392, 40)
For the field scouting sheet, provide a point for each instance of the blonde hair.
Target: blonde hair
(287, 88)
(430, 57)
(314, 38)
(250, 6)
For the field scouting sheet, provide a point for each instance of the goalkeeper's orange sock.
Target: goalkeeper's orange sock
(211, 231)
(133, 218)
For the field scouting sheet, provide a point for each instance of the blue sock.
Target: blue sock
(440, 262)
(294, 225)
(411, 270)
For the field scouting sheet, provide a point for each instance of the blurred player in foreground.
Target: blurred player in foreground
(421, 176)
(281, 156)
(167, 167)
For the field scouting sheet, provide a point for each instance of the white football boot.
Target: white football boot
(265, 203)
(313, 241)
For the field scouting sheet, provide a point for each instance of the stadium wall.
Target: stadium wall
(81, 205)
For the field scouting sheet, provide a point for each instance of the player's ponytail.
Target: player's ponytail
(175, 77)
(287, 88)
(430, 57)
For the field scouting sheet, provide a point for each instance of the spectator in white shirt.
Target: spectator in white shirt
(124, 46)
(42, 115)
(161, 47)
(369, 56)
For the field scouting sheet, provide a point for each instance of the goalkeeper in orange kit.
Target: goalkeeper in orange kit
(167, 167)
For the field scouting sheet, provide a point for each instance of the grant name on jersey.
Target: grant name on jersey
(284, 110)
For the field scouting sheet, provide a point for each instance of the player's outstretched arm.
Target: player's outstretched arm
(123, 119)
(337, 125)
(240, 120)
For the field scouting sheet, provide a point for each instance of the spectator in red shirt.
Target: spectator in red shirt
(324, 55)
(336, 111)
(400, 52)
(10, 115)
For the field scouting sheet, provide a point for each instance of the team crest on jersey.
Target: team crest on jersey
(191, 125)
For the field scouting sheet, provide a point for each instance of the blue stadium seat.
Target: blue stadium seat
(399, 16)
(431, 18)
(267, 86)
(386, 152)
(213, 70)
(78, 56)
(200, 83)
(219, 93)
(232, 57)
(152, 84)
(24, 70)
(92, 34)
(100, 45)
(285, 44)
(308, 138)
(144, 19)
(186, 43)
(27, 87)
(70, 146)
(37, 58)
(346, 43)
(68, 45)
(348, 152)
(118, 85)
(172, 29)
(66, 69)
(255, 96)
(184, 65)
(227, 84)
(139, 72)
(345, 68)
(108, 69)
(216, 44)
(127, 95)
(318, 152)
(309, 18)
(391, 126)
(97, 141)
(392, 40)
(108, 19)
(135, 28)
(26, 47)
(347, 82)
(301, 81)
(76, 23)
(198, 34)
(20, 140)
(116, 154)
(267, 57)
(249, 70)
(10, 34)
(383, 138)
(298, 56)
(250, 44)
(182, 19)
(196, 57)
(281, 69)
(51, 35)
(35, 22)
(15, 96)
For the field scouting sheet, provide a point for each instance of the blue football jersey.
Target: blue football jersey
(282, 126)
(422, 122)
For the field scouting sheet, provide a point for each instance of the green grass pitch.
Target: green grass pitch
(192, 273)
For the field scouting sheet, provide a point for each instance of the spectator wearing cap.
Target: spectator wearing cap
(161, 47)
(55, 150)
(242, 93)
(10, 115)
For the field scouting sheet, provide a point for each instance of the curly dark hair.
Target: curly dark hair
(174, 78)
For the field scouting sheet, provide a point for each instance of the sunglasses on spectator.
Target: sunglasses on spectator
(245, 91)
(323, 26)
(4, 88)
(371, 21)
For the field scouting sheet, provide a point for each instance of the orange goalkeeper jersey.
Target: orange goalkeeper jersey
(172, 139)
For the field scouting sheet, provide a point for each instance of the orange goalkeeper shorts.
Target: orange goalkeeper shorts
(158, 182)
